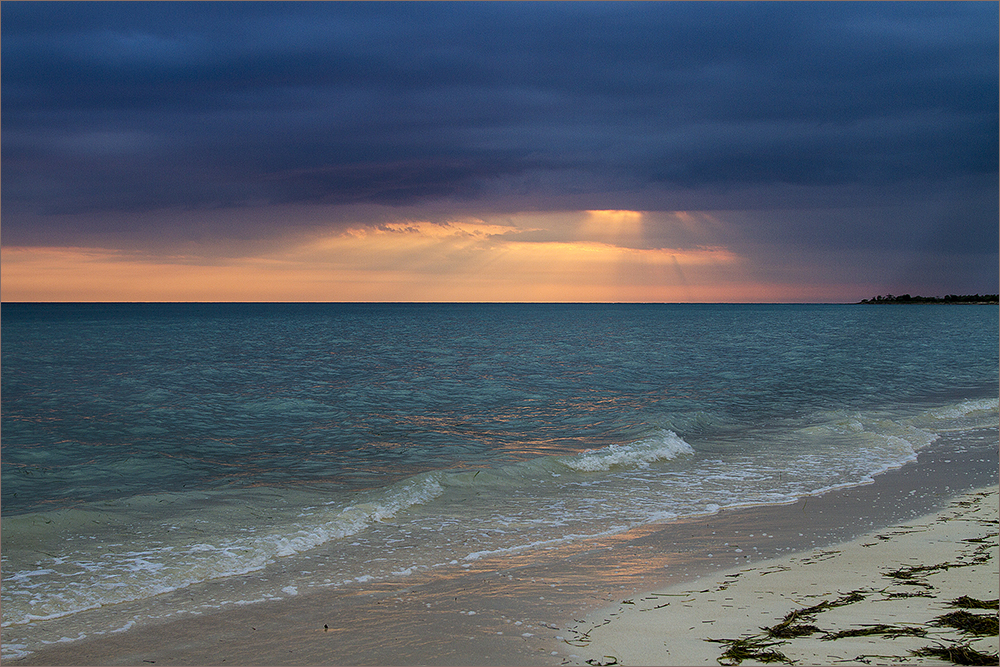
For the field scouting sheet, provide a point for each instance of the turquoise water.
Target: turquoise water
(151, 448)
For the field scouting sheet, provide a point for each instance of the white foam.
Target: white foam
(664, 446)
(65, 640)
(127, 626)
(965, 408)
(114, 577)
(14, 651)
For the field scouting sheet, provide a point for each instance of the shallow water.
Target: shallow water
(248, 452)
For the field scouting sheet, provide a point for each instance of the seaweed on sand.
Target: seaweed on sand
(965, 602)
(889, 595)
(888, 631)
(909, 574)
(760, 648)
(750, 648)
(960, 654)
(789, 631)
(789, 628)
(853, 596)
(973, 624)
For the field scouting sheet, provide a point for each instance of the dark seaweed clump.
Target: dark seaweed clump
(960, 654)
(750, 648)
(888, 631)
(782, 631)
(789, 628)
(965, 602)
(973, 624)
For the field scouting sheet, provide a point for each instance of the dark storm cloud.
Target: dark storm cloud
(115, 106)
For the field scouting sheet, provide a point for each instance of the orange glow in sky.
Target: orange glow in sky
(582, 257)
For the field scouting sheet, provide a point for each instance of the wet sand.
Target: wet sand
(522, 609)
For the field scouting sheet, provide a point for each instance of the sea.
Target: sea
(246, 452)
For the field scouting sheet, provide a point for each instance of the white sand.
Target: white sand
(671, 627)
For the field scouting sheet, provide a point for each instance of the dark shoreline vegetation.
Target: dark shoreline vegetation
(951, 298)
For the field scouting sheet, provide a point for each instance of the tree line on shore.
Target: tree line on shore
(951, 298)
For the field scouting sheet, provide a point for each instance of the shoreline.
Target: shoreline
(510, 611)
(921, 592)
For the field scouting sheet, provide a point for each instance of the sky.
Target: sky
(581, 152)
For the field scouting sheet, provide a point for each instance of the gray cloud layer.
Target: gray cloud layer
(136, 107)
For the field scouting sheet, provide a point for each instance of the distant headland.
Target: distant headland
(951, 298)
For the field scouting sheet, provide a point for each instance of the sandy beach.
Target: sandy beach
(921, 592)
